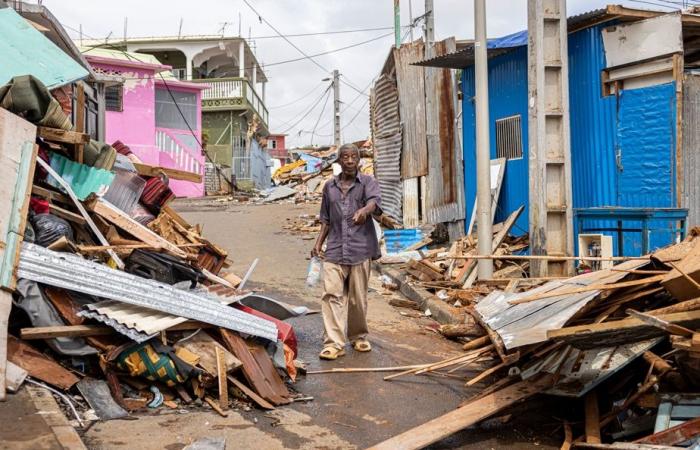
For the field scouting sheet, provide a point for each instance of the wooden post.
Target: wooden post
(80, 120)
(592, 418)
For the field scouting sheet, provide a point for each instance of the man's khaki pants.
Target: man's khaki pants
(344, 305)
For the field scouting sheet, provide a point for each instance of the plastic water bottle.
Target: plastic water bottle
(313, 276)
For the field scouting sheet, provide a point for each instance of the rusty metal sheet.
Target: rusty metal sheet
(690, 159)
(411, 87)
(444, 186)
(386, 128)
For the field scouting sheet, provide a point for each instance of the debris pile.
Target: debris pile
(618, 345)
(302, 180)
(114, 297)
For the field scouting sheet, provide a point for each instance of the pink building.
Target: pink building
(157, 116)
(277, 147)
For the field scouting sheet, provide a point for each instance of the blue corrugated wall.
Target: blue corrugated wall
(508, 97)
(640, 124)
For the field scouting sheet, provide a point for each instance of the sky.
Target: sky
(295, 91)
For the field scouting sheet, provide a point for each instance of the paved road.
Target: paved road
(348, 410)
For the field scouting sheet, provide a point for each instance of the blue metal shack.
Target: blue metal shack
(624, 146)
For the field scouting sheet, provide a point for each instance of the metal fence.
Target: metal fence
(241, 159)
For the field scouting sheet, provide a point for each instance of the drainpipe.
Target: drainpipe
(483, 153)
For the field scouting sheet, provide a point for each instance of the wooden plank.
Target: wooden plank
(126, 223)
(497, 241)
(34, 333)
(174, 174)
(619, 332)
(50, 195)
(80, 120)
(38, 365)
(675, 435)
(204, 346)
(660, 323)
(221, 375)
(592, 418)
(5, 308)
(595, 287)
(250, 368)
(464, 416)
(68, 215)
(215, 406)
(250, 393)
(268, 369)
(63, 136)
(115, 259)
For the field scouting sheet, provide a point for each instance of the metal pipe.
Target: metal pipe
(483, 151)
(397, 24)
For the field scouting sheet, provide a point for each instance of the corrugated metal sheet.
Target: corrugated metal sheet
(507, 77)
(691, 143)
(74, 273)
(411, 89)
(83, 179)
(444, 195)
(527, 323)
(25, 51)
(641, 133)
(387, 145)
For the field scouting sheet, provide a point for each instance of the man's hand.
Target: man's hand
(360, 216)
(316, 252)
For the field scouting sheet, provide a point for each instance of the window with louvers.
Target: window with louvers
(509, 138)
(113, 98)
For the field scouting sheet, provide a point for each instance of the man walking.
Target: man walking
(349, 200)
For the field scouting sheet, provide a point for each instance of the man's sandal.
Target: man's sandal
(362, 345)
(331, 353)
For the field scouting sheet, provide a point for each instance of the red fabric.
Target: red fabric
(285, 332)
(39, 205)
(121, 148)
(156, 194)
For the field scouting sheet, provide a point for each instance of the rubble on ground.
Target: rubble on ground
(119, 305)
(619, 346)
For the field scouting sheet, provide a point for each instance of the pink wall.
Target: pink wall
(135, 125)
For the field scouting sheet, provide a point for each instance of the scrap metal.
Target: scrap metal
(77, 274)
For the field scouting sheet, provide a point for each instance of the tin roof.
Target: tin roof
(26, 51)
(464, 56)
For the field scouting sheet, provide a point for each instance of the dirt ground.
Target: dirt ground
(347, 410)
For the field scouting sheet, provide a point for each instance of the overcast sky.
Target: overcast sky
(301, 80)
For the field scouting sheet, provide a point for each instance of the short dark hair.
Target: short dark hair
(348, 147)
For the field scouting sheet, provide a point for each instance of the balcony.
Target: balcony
(231, 93)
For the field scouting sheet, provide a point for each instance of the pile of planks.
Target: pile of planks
(622, 345)
(73, 323)
(303, 224)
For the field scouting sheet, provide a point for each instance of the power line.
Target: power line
(305, 108)
(306, 114)
(355, 116)
(310, 58)
(320, 115)
(297, 100)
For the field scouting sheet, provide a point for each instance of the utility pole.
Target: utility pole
(483, 152)
(410, 18)
(429, 22)
(397, 24)
(336, 108)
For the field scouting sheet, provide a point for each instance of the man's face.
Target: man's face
(348, 160)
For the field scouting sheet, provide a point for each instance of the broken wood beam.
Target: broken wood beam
(595, 287)
(63, 136)
(675, 435)
(174, 174)
(592, 419)
(620, 332)
(660, 323)
(367, 369)
(250, 393)
(465, 416)
(126, 223)
(221, 375)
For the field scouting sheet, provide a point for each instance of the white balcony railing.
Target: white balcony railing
(234, 88)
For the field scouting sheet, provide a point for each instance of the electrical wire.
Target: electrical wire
(297, 100)
(310, 58)
(311, 106)
(320, 115)
(305, 115)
